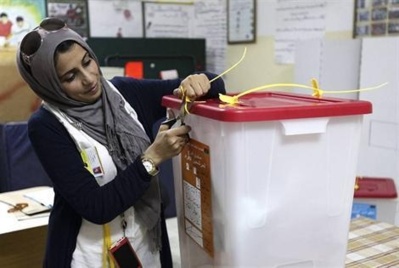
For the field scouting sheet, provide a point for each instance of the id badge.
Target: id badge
(92, 161)
(124, 255)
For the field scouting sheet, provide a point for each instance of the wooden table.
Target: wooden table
(22, 243)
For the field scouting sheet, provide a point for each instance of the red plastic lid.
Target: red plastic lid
(375, 188)
(266, 106)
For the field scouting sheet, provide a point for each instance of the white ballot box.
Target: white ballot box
(268, 182)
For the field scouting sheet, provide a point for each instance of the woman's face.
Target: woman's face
(79, 74)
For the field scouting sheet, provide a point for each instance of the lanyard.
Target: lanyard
(107, 242)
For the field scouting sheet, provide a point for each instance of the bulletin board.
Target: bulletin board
(186, 55)
(167, 19)
(73, 12)
(116, 18)
(375, 18)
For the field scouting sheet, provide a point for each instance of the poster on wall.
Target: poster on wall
(115, 18)
(374, 18)
(211, 24)
(17, 18)
(73, 12)
(241, 21)
(171, 20)
(297, 21)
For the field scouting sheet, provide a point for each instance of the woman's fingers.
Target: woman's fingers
(169, 142)
(195, 85)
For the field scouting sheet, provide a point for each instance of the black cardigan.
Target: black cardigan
(77, 194)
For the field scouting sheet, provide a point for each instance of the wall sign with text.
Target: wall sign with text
(241, 21)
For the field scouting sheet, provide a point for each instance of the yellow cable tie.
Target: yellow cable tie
(356, 90)
(232, 67)
(317, 92)
(186, 105)
(187, 99)
(213, 79)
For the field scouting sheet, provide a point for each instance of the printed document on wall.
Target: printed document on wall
(115, 18)
(211, 23)
(297, 20)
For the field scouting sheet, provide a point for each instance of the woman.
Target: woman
(93, 138)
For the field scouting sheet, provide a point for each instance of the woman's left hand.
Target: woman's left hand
(193, 86)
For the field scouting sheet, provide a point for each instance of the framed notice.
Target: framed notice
(241, 16)
(167, 19)
(376, 18)
(116, 19)
(73, 12)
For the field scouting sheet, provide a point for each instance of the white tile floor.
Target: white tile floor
(173, 233)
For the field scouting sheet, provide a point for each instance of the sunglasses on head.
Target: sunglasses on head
(33, 40)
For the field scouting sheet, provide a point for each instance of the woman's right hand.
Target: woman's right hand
(168, 143)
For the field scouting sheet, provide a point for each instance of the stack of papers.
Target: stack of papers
(43, 196)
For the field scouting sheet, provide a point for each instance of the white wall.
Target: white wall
(259, 67)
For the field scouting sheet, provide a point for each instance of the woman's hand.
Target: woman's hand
(168, 143)
(193, 86)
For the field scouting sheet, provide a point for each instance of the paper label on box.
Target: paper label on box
(196, 174)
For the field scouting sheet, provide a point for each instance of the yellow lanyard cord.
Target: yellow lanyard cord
(107, 261)
(317, 92)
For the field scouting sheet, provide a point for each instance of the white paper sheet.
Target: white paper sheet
(44, 196)
(297, 20)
